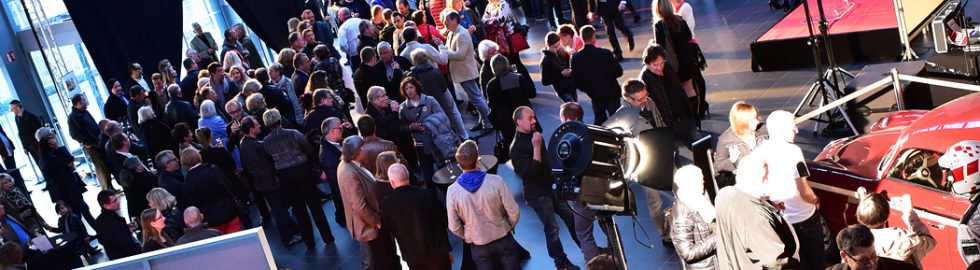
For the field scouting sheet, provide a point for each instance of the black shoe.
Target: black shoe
(619, 58)
(477, 127)
(328, 240)
(636, 17)
(566, 265)
(294, 241)
(667, 243)
(632, 44)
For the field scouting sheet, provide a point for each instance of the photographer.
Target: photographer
(910, 243)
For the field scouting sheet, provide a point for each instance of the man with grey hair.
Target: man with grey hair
(487, 50)
(751, 233)
(171, 178)
(196, 229)
(389, 125)
(204, 44)
(421, 232)
(434, 85)
(370, 74)
(362, 208)
(482, 211)
(290, 154)
(255, 104)
(411, 36)
(330, 152)
(465, 69)
(250, 87)
(394, 67)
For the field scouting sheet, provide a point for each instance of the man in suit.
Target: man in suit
(135, 77)
(465, 69)
(612, 17)
(204, 44)
(188, 85)
(595, 71)
(84, 130)
(363, 212)
(115, 105)
(333, 133)
(372, 144)
(258, 163)
(180, 111)
(421, 232)
(370, 74)
(113, 232)
(27, 124)
(302, 74)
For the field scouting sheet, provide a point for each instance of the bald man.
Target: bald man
(421, 232)
(196, 229)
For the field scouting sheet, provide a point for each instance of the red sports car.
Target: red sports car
(900, 156)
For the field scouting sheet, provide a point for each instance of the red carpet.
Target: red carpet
(866, 15)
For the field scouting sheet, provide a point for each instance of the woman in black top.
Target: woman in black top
(153, 236)
(58, 168)
(556, 70)
(505, 92)
(674, 29)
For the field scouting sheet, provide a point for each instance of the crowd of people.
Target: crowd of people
(363, 105)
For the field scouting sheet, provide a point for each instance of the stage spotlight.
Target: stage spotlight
(593, 164)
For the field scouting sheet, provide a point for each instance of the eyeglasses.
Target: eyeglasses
(864, 261)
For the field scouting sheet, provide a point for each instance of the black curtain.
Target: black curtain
(268, 18)
(120, 32)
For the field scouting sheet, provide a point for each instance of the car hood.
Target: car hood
(860, 155)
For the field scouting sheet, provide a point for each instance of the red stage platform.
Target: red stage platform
(860, 30)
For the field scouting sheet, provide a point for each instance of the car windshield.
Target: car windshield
(920, 167)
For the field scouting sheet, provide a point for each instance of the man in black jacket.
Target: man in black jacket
(390, 126)
(612, 17)
(333, 133)
(421, 232)
(275, 99)
(302, 73)
(115, 105)
(595, 71)
(137, 95)
(180, 111)
(258, 163)
(370, 74)
(84, 130)
(113, 232)
(665, 90)
(323, 108)
(527, 154)
(188, 84)
(27, 124)
(170, 177)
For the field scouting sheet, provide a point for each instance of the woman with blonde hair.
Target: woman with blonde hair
(153, 236)
(161, 200)
(238, 75)
(737, 141)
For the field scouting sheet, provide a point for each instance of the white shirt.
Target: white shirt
(348, 34)
(782, 158)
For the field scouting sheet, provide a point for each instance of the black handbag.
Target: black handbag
(500, 149)
(700, 60)
(242, 206)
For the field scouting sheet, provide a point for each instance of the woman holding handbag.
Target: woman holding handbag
(505, 92)
(673, 34)
(503, 28)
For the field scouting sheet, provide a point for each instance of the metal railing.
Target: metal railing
(895, 80)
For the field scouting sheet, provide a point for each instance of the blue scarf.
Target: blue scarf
(471, 181)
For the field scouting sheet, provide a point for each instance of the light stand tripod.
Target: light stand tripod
(828, 82)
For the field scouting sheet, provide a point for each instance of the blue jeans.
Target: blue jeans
(545, 207)
(499, 254)
(475, 95)
(448, 105)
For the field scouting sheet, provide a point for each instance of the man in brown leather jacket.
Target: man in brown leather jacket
(372, 144)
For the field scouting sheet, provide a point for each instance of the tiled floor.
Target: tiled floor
(724, 30)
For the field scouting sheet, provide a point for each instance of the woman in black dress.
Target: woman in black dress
(672, 28)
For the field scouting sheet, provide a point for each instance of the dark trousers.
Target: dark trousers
(580, 12)
(811, 235)
(545, 207)
(612, 18)
(555, 13)
(338, 201)
(435, 262)
(603, 109)
(296, 183)
(380, 253)
(280, 213)
(499, 254)
(10, 164)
